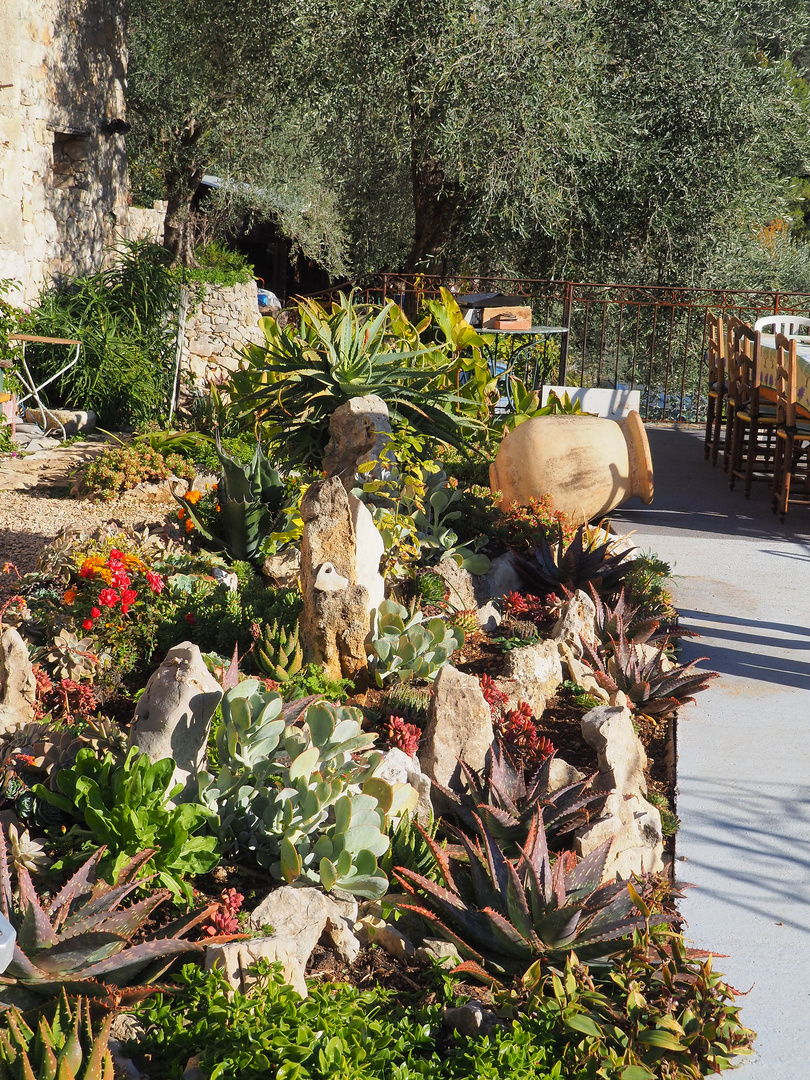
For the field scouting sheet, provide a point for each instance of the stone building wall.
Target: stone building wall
(218, 329)
(63, 172)
(145, 224)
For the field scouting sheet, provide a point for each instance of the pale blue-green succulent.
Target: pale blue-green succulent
(405, 646)
(302, 797)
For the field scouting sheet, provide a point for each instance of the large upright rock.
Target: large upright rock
(359, 431)
(173, 716)
(576, 623)
(619, 751)
(18, 684)
(369, 549)
(335, 620)
(459, 727)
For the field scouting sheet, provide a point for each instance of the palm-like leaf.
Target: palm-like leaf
(506, 913)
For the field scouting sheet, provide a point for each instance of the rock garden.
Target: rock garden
(319, 757)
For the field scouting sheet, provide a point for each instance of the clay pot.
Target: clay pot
(587, 464)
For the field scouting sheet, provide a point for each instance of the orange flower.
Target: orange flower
(193, 497)
(189, 525)
(181, 514)
(70, 595)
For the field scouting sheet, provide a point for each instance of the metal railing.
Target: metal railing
(650, 338)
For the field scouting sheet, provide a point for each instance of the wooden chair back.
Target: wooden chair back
(731, 324)
(716, 352)
(747, 373)
(785, 385)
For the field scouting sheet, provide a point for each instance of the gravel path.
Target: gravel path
(35, 505)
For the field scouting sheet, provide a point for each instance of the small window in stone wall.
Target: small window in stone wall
(71, 165)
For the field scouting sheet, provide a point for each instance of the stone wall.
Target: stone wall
(63, 178)
(218, 329)
(145, 224)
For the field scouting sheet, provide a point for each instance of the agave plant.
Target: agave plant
(278, 651)
(64, 1049)
(587, 559)
(626, 618)
(506, 914)
(79, 940)
(501, 798)
(641, 677)
(250, 498)
(295, 381)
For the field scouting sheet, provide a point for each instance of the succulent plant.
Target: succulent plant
(523, 629)
(73, 658)
(278, 651)
(302, 798)
(518, 730)
(51, 749)
(80, 942)
(431, 588)
(506, 914)
(501, 798)
(586, 560)
(64, 1049)
(408, 701)
(404, 647)
(25, 852)
(250, 498)
(670, 822)
(466, 620)
(649, 688)
(404, 737)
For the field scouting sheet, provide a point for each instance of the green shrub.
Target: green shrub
(125, 317)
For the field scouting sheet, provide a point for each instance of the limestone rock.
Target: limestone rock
(619, 751)
(576, 622)
(298, 917)
(580, 674)
(537, 670)
(359, 431)
(18, 684)
(471, 1019)
(158, 491)
(369, 549)
(561, 774)
(634, 827)
(501, 578)
(335, 621)
(173, 716)
(393, 941)
(283, 567)
(74, 423)
(459, 726)
(460, 583)
(436, 950)
(341, 915)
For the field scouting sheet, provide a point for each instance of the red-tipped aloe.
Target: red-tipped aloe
(79, 940)
(506, 914)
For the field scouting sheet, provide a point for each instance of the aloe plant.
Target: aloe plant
(249, 497)
(622, 617)
(278, 652)
(302, 799)
(64, 1049)
(506, 914)
(295, 381)
(563, 570)
(80, 939)
(649, 688)
(502, 799)
(406, 647)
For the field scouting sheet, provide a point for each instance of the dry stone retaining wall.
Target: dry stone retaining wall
(218, 328)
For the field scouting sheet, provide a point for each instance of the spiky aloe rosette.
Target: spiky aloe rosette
(64, 1049)
(79, 940)
(504, 914)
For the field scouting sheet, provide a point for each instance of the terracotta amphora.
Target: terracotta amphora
(587, 464)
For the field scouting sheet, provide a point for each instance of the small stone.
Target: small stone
(298, 917)
(397, 768)
(283, 568)
(501, 578)
(537, 668)
(460, 584)
(576, 622)
(393, 941)
(471, 1019)
(561, 774)
(437, 951)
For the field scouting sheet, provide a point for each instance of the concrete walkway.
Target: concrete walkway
(743, 582)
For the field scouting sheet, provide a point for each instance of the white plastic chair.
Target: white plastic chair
(783, 324)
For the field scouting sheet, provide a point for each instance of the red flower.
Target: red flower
(129, 596)
(120, 577)
(115, 556)
(87, 624)
(155, 581)
(108, 598)
(86, 571)
(95, 612)
(125, 608)
(190, 618)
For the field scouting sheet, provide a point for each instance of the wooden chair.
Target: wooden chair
(792, 431)
(753, 417)
(731, 324)
(718, 385)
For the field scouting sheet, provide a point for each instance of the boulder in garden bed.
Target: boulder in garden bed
(459, 727)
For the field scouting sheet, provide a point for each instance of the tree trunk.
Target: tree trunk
(435, 205)
(177, 231)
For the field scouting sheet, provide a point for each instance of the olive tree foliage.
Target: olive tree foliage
(208, 92)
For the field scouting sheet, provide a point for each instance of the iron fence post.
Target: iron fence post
(566, 321)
